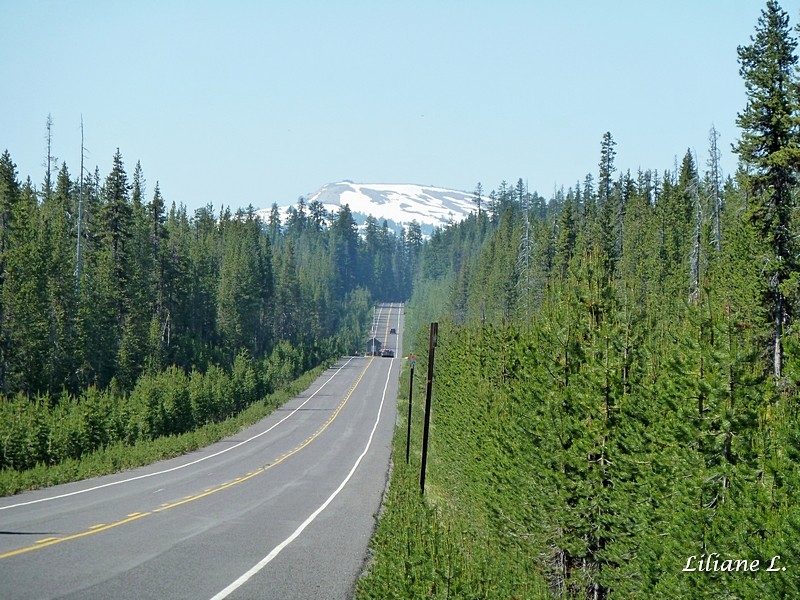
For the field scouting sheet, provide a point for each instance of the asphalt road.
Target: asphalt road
(283, 510)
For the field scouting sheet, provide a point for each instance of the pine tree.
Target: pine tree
(50, 163)
(116, 211)
(477, 197)
(245, 288)
(203, 273)
(274, 222)
(24, 297)
(137, 185)
(139, 301)
(638, 266)
(317, 215)
(715, 185)
(605, 230)
(58, 224)
(175, 334)
(691, 223)
(288, 300)
(566, 237)
(9, 198)
(157, 217)
(769, 148)
(344, 251)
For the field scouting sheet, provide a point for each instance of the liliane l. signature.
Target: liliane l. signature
(714, 562)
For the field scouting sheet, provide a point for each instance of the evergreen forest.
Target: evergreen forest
(615, 395)
(123, 320)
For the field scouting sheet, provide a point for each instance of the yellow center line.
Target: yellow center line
(138, 515)
(53, 541)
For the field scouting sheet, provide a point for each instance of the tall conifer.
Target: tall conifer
(769, 148)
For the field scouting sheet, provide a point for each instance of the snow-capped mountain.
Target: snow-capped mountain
(398, 204)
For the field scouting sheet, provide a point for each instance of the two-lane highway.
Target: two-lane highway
(283, 510)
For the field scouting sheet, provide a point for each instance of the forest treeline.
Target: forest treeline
(122, 319)
(615, 400)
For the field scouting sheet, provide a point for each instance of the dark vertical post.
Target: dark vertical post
(410, 394)
(428, 389)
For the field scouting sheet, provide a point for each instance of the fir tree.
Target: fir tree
(477, 197)
(769, 148)
(344, 251)
(24, 297)
(274, 222)
(116, 210)
(9, 198)
(566, 236)
(58, 223)
(608, 203)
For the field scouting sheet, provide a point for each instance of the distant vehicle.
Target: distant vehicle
(393, 330)
(374, 346)
(387, 353)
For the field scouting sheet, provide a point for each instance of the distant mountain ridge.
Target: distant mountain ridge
(397, 203)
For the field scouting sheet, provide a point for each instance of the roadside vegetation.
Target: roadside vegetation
(443, 545)
(165, 416)
(615, 400)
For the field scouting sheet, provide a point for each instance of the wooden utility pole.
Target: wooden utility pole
(410, 394)
(428, 390)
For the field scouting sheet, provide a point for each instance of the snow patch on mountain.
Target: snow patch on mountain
(398, 204)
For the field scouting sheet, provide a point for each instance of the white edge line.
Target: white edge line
(183, 466)
(277, 549)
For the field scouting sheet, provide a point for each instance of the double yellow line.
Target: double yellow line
(239, 480)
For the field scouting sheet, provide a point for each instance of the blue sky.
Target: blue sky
(236, 103)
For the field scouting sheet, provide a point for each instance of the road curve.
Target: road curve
(285, 509)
